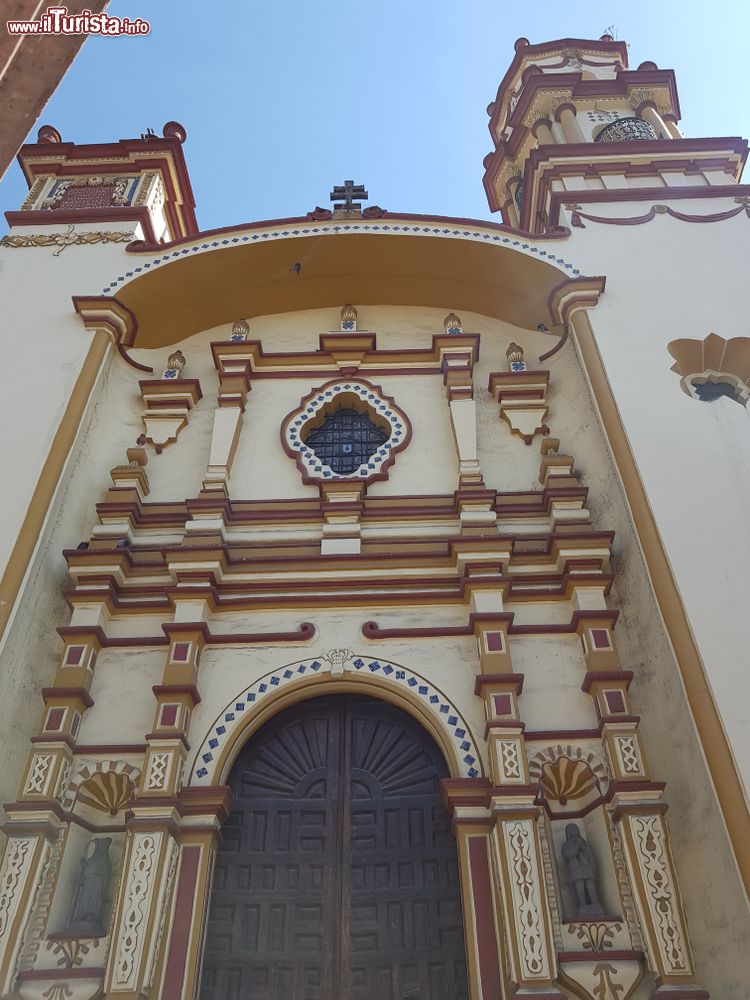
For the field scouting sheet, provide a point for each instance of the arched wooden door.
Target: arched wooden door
(337, 875)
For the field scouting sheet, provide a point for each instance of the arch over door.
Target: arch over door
(337, 875)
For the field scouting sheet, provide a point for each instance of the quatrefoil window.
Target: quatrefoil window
(345, 430)
(346, 439)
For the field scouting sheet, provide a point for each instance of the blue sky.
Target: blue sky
(281, 101)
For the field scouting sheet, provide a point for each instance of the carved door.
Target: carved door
(337, 876)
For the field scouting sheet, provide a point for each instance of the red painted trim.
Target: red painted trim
(82, 631)
(174, 975)
(562, 734)
(169, 734)
(483, 680)
(608, 676)
(178, 629)
(167, 690)
(554, 813)
(305, 632)
(638, 220)
(107, 301)
(545, 164)
(133, 364)
(601, 956)
(679, 993)
(371, 630)
(68, 692)
(661, 195)
(141, 247)
(43, 974)
(110, 748)
(484, 919)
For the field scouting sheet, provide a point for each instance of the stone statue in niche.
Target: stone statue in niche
(583, 876)
(89, 898)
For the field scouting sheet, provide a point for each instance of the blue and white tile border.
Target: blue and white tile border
(380, 673)
(310, 465)
(225, 240)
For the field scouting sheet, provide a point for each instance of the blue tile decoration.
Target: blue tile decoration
(310, 408)
(332, 230)
(444, 713)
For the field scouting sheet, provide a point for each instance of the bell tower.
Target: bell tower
(573, 123)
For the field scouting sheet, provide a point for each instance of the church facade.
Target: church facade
(372, 594)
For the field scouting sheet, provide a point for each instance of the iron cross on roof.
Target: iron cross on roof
(348, 191)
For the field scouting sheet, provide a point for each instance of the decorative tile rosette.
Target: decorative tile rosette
(330, 397)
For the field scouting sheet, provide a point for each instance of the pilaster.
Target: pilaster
(144, 900)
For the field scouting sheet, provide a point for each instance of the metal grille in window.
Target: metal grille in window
(518, 196)
(627, 130)
(345, 440)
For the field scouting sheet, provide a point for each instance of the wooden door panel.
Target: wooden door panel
(400, 865)
(272, 926)
(337, 875)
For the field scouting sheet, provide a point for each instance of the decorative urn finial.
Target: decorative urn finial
(240, 330)
(349, 317)
(452, 324)
(175, 364)
(48, 133)
(514, 354)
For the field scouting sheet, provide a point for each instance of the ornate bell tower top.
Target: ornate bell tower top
(570, 115)
(142, 180)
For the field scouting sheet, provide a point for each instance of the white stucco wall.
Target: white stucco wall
(667, 280)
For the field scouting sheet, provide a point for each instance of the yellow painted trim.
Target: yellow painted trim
(715, 744)
(210, 287)
(49, 477)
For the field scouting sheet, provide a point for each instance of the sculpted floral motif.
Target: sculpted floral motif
(624, 885)
(156, 777)
(107, 792)
(703, 363)
(171, 866)
(595, 936)
(138, 891)
(549, 883)
(337, 658)
(42, 904)
(61, 789)
(627, 748)
(524, 880)
(17, 860)
(39, 774)
(650, 843)
(58, 991)
(510, 760)
(66, 239)
(606, 988)
(552, 754)
(566, 779)
(104, 784)
(71, 952)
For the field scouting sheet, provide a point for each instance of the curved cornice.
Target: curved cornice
(525, 53)
(178, 290)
